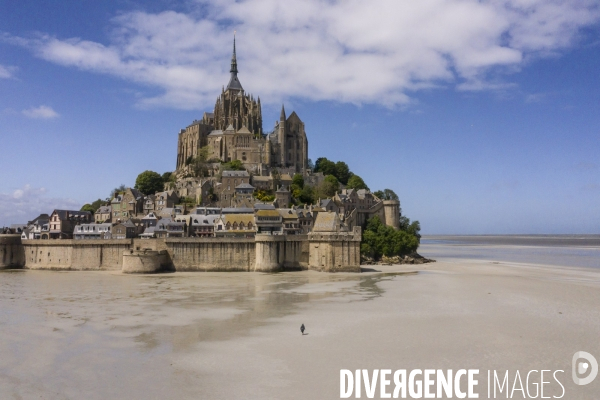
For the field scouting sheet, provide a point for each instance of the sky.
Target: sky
(483, 116)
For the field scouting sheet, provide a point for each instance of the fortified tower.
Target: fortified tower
(391, 209)
(12, 254)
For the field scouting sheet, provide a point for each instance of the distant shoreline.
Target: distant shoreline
(582, 240)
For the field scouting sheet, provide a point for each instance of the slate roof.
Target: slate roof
(128, 224)
(244, 186)
(204, 220)
(262, 178)
(64, 214)
(327, 222)
(150, 216)
(264, 206)
(234, 210)
(287, 213)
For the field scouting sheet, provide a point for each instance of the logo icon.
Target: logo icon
(580, 367)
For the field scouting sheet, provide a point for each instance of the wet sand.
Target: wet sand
(102, 335)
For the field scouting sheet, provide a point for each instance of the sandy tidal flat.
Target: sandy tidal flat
(101, 335)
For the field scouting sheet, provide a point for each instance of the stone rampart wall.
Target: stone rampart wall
(263, 253)
(223, 254)
(60, 254)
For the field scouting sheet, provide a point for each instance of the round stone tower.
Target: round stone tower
(12, 254)
(391, 209)
(269, 252)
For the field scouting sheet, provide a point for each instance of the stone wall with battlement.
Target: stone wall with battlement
(335, 251)
(264, 253)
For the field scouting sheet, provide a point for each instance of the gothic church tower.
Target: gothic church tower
(234, 107)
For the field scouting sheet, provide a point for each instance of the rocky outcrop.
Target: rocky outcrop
(413, 258)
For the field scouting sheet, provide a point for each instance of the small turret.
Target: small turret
(282, 115)
(282, 144)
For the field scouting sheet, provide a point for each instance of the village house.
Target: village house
(166, 199)
(148, 233)
(203, 225)
(290, 221)
(229, 181)
(150, 220)
(305, 218)
(149, 204)
(103, 214)
(93, 231)
(127, 204)
(167, 228)
(62, 223)
(263, 182)
(208, 210)
(36, 227)
(269, 222)
(283, 197)
(235, 225)
(125, 230)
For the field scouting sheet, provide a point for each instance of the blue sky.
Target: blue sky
(483, 116)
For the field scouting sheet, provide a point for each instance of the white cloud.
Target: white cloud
(26, 203)
(351, 51)
(6, 72)
(44, 112)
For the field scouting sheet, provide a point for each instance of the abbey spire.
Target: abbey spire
(234, 83)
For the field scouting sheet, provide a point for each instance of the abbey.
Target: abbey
(233, 131)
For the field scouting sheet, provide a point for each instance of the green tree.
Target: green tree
(166, 176)
(235, 165)
(414, 228)
(327, 188)
(356, 182)
(298, 180)
(117, 190)
(200, 162)
(149, 182)
(382, 240)
(342, 172)
(310, 164)
(307, 195)
(325, 166)
(386, 194)
(188, 201)
(88, 207)
(264, 195)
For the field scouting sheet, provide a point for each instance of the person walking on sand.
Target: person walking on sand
(302, 328)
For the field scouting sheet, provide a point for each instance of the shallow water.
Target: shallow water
(558, 250)
(104, 335)
(92, 334)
